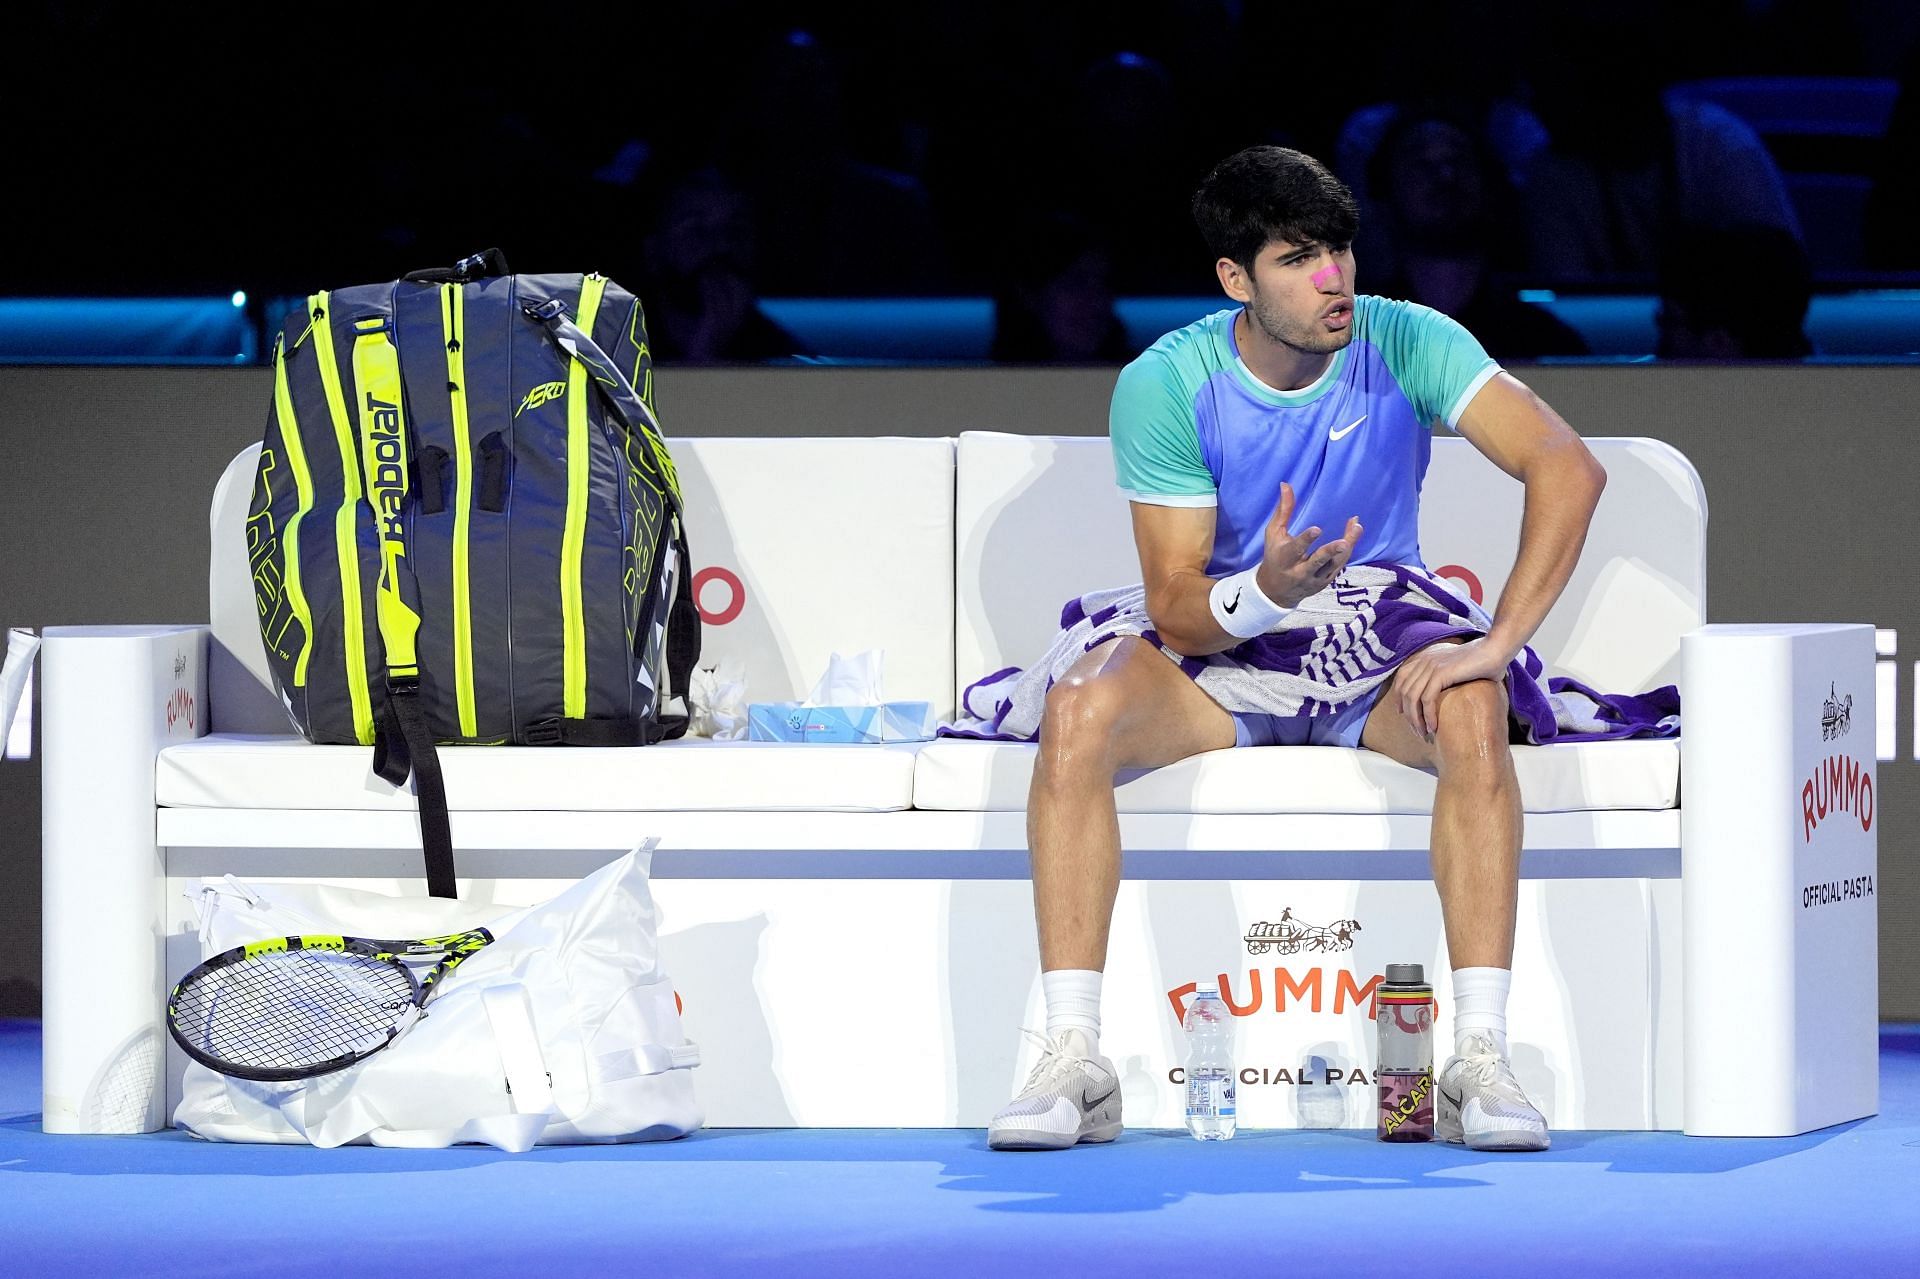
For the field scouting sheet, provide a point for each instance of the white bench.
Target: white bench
(796, 882)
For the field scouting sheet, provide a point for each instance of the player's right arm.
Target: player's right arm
(1175, 543)
(1158, 464)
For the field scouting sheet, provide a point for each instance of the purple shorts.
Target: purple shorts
(1342, 728)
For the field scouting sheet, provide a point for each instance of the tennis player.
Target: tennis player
(1262, 449)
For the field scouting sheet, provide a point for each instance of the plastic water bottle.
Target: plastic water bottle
(1209, 1027)
(1403, 1014)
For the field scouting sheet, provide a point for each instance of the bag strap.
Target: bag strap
(646, 1059)
(683, 640)
(614, 388)
(487, 262)
(683, 624)
(521, 1058)
(21, 645)
(402, 743)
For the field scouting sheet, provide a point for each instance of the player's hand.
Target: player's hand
(1434, 669)
(1293, 567)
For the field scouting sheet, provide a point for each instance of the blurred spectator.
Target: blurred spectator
(1734, 293)
(1056, 304)
(1628, 162)
(702, 307)
(829, 222)
(1443, 194)
(1489, 103)
(1513, 134)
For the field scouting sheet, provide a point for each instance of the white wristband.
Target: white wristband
(1241, 607)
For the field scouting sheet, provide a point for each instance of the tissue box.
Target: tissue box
(885, 722)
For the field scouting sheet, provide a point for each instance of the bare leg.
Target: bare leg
(1476, 814)
(1123, 705)
(1476, 867)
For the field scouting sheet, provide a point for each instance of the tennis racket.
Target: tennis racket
(295, 1007)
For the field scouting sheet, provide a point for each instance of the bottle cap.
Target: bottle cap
(1406, 975)
(1210, 987)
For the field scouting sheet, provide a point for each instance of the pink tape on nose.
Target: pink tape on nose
(1326, 276)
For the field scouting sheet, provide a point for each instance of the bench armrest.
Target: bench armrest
(114, 697)
(1778, 862)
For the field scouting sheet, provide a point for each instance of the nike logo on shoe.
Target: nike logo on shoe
(1349, 428)
(1088, 1103)
(1236, 602)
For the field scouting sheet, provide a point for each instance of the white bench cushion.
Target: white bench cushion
(1570, 777)
(231, 770)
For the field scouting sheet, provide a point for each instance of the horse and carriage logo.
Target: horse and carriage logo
(1836, 715)
(1290, 936)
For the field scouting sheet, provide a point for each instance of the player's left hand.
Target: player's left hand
(1434, 669)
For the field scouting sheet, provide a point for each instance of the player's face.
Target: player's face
(1301, 295)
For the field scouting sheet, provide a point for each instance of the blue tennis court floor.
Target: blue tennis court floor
(1843, 1201)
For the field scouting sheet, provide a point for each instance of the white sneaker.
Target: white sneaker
(1481, 1104)
(1069, 1098)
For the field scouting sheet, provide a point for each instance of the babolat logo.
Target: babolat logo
(540, 395)
(389, 475)
(1836, 716)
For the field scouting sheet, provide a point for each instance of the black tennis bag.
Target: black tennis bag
(466, 527)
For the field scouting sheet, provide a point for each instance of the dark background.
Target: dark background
(218, 146)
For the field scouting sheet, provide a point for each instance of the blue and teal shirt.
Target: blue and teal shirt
(1192, 426)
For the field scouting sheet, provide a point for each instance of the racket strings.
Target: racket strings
(287, 1010)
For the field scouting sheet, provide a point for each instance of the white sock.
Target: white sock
(1073, 1003)
(1480, 1004)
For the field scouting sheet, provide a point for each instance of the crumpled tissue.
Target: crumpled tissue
(848, 704)
(718, 696)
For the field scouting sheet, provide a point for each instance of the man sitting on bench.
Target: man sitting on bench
(1240, 441)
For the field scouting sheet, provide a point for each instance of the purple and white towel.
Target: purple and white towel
(1336, 647)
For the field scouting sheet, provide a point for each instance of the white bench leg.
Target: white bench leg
(1779, 840)
(114, 697)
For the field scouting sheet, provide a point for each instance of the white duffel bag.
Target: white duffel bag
(563, 1030)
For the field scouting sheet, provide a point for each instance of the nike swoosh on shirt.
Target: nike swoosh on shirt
(1349, 428)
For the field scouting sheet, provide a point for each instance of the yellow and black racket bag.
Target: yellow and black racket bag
(477, 530)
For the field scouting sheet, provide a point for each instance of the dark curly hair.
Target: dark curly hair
(1268, 193)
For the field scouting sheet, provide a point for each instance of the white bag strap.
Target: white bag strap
(527, 1079)
(646, 1059)
(14, 672)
